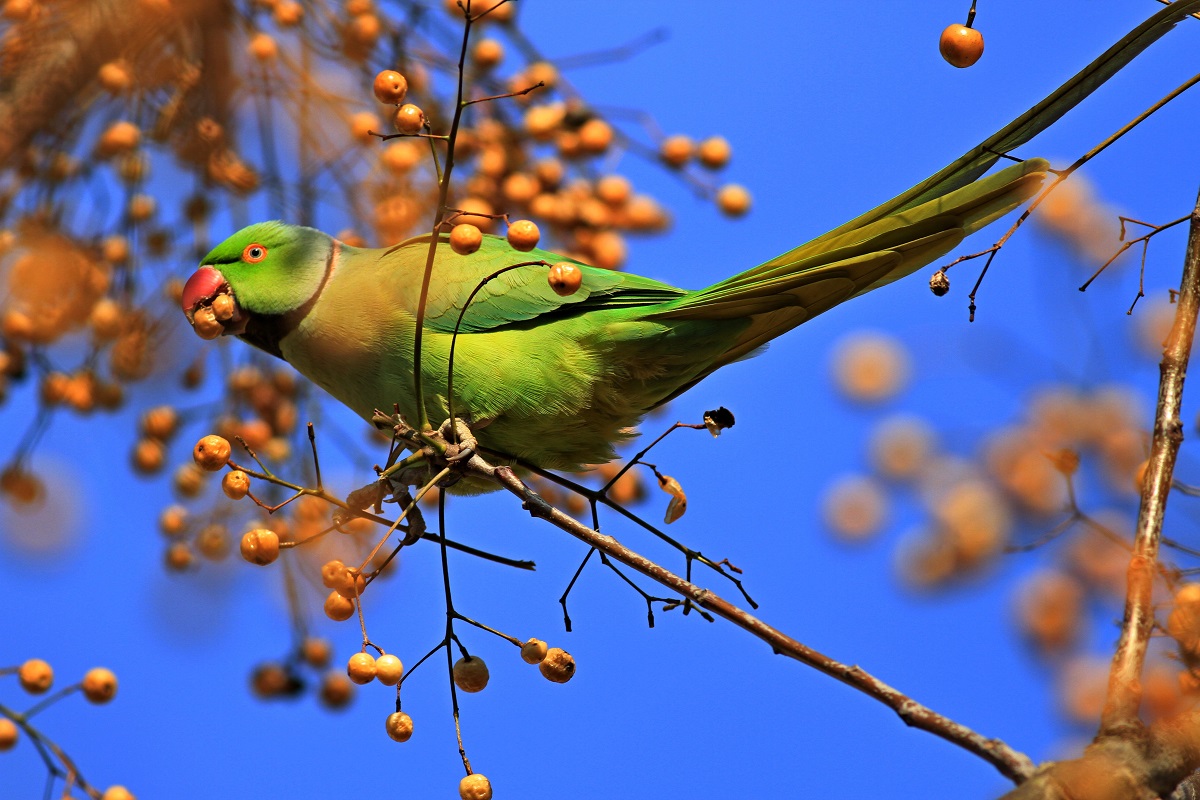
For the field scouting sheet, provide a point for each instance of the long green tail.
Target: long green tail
(912, 229)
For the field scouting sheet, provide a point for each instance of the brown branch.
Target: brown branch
(1124, 686)
(1012, 764)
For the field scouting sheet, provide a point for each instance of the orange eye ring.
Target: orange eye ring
(254, 253)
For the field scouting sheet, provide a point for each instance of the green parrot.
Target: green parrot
(557, 381)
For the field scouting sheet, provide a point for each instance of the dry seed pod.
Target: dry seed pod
(399, 727)
(678, 504)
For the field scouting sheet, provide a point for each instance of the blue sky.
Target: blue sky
(831, 108)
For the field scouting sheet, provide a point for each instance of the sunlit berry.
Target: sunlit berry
(565, 278)
(465, 238)
(205, 323)
(533, 651)
(409, 119)
(117, 793)
(9, 734)
(99, 685)
(558, 665)
(263, 47)
(235, 484)
(523, 235)
(260, 546)
(470, 674)
(149, 456)
(733, 200)
(961, 46)
(336, 690)
(315, 651)
(595, 136)
(713, 152)
(223, 307)
(475, 787)
(676, 150)
(36, 676)
(390, 87)
(115, 76)
(211, 453)
(389, 669)
(179, 557)
(213, 541)
(487, 53)
(361, 668)
(338, 608)
(399, 726)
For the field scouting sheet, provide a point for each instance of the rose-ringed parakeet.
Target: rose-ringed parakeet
(557, 380)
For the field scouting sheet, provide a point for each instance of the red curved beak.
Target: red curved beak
(203, 285)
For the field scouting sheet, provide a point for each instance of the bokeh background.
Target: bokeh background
(830, 108)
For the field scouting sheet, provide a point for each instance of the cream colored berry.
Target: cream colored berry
(389, 670)
(260, 546)
(361, 668)
(36, 676)
(99, 685)
(399, 727)
(475, 787)
(533, 651)
(212, 453)
(235, 484)
(558, 665)
(470, 674)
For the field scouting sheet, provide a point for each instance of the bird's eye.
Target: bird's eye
(254, 253)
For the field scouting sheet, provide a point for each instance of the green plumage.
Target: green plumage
(557, 381)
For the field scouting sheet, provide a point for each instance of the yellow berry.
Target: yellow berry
(361, 668)
(558, 665)
(212, 453)
(470, 674)
(390, 87)
(733, 200)
(235, 484)
(961, 46)
(99, 685)
(613, 189)
(120, 137)
(533, 651)
(465, 238)
(565, 278)
(389, 670)
(399, 726)
(523, 235)
(338, 608)
(475, 787)
(260, 546)
(409, 119)
(9, 733)
(35, 676)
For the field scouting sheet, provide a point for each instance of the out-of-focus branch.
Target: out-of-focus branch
(1124, 688)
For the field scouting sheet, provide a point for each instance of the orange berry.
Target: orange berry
(399, 726)
(260, 546)
(173, 521)
(148, 456)
(595, 136)
(409, 119)
(178, 557)
(160, 422)
(961, 46)
(475, 787)
(120, 137)
(142, 207)
(9, 734)
(35, 675)
(542, 72)
(855, 508)
(400, 157)
(558, 665)
(361, 668)
(487, 53)
(315, 652)
(565, 278)
(263, 47)
(205, 323)
(99, 685)
(114, 77)
(870, 367)
(235, 484)
(390, 87)
(117, 793)
(288, 13)
(213, 542)
(223, 307)
(533, 651)
(613, 189)
(676, 150)
(389, 669)
(733, 200)
(362, 125)
(523, 235)
(714, 152)
(211, 453)
(465, 238)
(470, 674)
(336, 690)
(338, 608)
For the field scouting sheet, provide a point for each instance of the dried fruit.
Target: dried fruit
(533, 651)
(399, 726)
(475, 787)
(558, 665)
(338, 608)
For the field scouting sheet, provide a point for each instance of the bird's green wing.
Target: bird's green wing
(980, 158)
(516, 295)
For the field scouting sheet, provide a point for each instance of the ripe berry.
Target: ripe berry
(487, 53)
(260, 546)
(558, 665)
(475, 787)
(961, 46)
(338, 608)
(676, 150)
(361, 668)
(733, 200)
(117, 793)
(399, 726)
(223, 307)
(99, 685)
(336, 690)
(9, 733)
(713, 152)
(212, 453)
(389, 670)
(533, 651)
(565, 279)
(390, 87)
(35, 676)
(523, 235)
(409, 119)
(470, 674)
(148, 456)
(263, 47)
(465, 238)
(205, 323)
(316, 652)
(235, 484)
(595, 136)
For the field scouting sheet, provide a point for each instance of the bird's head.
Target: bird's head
(250, 283)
